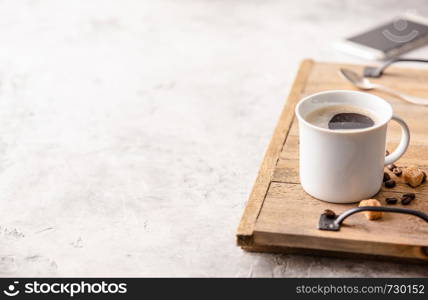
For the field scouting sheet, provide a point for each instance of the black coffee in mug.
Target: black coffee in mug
(341, 117)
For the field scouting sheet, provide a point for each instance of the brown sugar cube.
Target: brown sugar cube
(413, 176)
(371, 215)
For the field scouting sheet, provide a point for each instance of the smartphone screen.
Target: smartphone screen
(391, 36)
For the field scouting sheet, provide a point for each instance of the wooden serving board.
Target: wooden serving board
(281, 217)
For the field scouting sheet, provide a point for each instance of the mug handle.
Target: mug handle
(404, 143)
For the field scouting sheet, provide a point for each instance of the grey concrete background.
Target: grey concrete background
(131, 132)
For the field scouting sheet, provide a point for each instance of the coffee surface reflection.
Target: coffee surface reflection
(350, 121)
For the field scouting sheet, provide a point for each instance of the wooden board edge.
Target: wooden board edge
(261, 185)
(328, 253)
(349, 246)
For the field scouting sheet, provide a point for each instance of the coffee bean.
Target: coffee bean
(386, 177)
(330, 214)
(391, 200)
(397, 172)
(391, 167)
(406, 200)
(410, 195)
(386, 153)
(390, 183)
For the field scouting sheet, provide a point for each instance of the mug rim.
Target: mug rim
(347, 131)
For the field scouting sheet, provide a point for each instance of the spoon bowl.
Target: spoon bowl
(356, 79)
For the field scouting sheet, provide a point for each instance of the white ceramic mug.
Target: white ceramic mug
(345, 166)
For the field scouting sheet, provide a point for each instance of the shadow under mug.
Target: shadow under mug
(345, 166)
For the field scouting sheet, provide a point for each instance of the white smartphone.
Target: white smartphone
(389, 40)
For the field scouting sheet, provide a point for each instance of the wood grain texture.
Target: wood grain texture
(257, 196)
(287, 217)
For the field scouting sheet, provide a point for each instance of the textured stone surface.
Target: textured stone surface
(131, 132)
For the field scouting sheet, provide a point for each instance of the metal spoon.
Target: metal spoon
(365, 84)
(376, 72)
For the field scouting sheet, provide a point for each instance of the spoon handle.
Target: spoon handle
(411, 99)
(377, 72)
